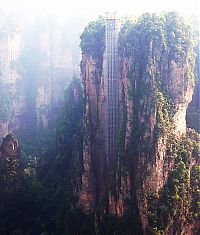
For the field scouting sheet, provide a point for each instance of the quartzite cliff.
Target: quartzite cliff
(151, 186)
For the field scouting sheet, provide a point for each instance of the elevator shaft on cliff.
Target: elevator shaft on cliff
(112, 83)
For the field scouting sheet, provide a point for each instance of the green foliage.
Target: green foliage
(9, 177)
(193, 120)
(119, 225)
(47, 197)
(149, 43)
(195, 191)
(179, 198)
(93, 40)
(45, 201)
(60, 168)
(164, 114)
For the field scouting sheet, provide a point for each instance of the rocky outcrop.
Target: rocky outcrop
(52, 72)
(11, 169)
(150, 181)
(162, 78)
(193, 116)
(35, 68)
(94, 150)
(12, 95)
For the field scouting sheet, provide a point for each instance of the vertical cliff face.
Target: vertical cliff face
(193, 115)
(11, 169)
(153, 175)
(12, 95)
(45, 76)
(161, 80)
(34, 67)
(93, 191)
(52, 74)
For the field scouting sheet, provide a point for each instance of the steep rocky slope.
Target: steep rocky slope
(35, 68)
(93, 192)
(193, 116)
(152, 185)
(11, 168)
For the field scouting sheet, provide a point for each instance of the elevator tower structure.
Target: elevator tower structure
(112, 82)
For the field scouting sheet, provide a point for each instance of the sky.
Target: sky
(93, 8)
(77, 13)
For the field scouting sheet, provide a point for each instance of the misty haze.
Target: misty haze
(99, 118)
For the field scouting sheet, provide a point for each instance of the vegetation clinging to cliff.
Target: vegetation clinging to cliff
(53, 194)
(178, 201)
(93, 40)
(152, 43)
(52, 188)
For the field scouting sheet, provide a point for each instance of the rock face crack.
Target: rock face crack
(136, 151)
